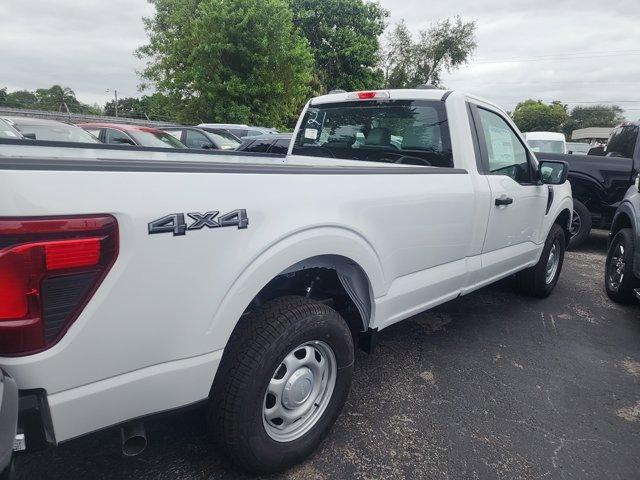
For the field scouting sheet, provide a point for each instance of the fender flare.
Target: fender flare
(286, 254)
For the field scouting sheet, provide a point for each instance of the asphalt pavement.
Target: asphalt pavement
(494, 385)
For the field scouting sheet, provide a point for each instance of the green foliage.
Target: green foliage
(446, 45)
(537, 116)
(228, 60)
(151, 107)
(56, 98)
(343, 35)
(593, 116)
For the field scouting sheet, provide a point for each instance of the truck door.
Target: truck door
(518, 201)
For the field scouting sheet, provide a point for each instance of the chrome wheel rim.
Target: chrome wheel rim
(576, 223)
(552, 263)
(299, 391)
(616, 267)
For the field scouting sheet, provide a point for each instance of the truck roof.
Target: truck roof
(398, 94)
(544, 136)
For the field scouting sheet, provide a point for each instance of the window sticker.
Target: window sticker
(9, 133)
(501, 145)
(311, 134)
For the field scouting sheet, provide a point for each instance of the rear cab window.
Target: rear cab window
(412, 132)
(622, 141)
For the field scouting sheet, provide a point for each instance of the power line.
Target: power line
(562, 56)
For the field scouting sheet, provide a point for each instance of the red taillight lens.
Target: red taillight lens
(366, 95)
(49, 269)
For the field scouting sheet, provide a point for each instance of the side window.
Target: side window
(94, 131)
(175, 133)
(503, 149)
(259, 146)
(237, 132)
(197, 140)
(622, 141)
(118, 137)
(280, 146)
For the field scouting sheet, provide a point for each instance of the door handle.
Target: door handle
(504, 201)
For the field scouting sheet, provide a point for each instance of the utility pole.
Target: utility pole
(115, 94)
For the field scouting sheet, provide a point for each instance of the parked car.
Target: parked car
(247, 283)
(49, 130)
(8, 419)
(578, 148)
(272, 143)
(240, 130)
(125, 134)
(199, 138)
(599, 182)
(622, 268)
(549, 142)
(7, 130)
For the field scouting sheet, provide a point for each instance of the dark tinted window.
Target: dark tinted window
(397, 131)
(280, 146)
(238, 132)
(259, 146)
(117, 137)
(622, 141)
(195, 139)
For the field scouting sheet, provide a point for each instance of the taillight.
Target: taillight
(369, 95)
(49, 269)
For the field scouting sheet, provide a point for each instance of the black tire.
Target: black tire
(621, 291)
(8, 473)
(581, 224)
(533, 281)
(257, 348)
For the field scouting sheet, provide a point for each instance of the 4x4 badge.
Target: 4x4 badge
(175, 222)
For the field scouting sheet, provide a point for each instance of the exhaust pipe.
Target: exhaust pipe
(134, 439)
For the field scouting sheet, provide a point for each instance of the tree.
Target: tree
(228, 60)
(445, 46)
(537, 116)
(597, 116)
(127, 107)
(56, 98)
(21, 99)
(344, 38)
(593, 116)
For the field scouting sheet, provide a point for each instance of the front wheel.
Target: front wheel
(541, 279)
(282, 383)
(619, 278)
(581, 223)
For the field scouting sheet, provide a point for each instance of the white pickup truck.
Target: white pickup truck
(131, 286)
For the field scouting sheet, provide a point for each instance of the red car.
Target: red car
(124, 134)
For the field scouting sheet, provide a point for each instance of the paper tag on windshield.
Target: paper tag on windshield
(311, 133)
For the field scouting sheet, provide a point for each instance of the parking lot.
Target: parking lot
(493, 385)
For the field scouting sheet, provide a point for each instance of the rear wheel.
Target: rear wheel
(619, 278)
(541, 279)
(282, 383)
(581, 223)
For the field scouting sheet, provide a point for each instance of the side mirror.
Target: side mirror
(553, 172)
(30, 136)
(206, 146)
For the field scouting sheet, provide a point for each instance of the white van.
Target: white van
(548, 142)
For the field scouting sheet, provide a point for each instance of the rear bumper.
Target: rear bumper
(8, 418)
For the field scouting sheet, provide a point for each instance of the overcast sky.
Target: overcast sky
(577, 51)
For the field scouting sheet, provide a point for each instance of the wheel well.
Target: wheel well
(330, 279)
(564, 220)
(622, 221)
